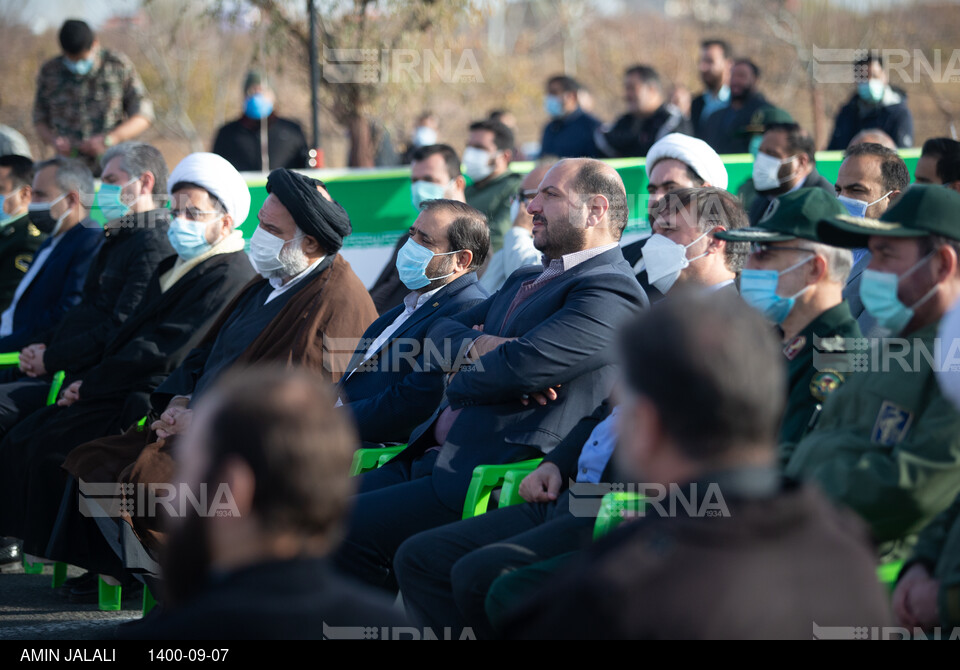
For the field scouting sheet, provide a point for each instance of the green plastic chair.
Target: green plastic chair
(8, 360)
(486, 478)
(365, 460)
(887, 573)
(614, 507)
(510, 491)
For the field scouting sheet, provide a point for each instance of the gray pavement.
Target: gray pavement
(31, 610)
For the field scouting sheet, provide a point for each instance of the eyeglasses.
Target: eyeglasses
(524, 195)
(191, 213)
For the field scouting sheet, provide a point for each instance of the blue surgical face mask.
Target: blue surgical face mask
(759, 289)
(188, 238)
(858, 208)
(872, 90)
(109, 202)
(412, 262)
(425, 190)
(80, 67)
(258, 106)
(879, 293)
(553, 106)
(424, 136)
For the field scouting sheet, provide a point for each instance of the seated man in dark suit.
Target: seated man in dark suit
(271, 437)
(726, 548)
(54, 282)
(445, 573)
(547, 330)
(134, 242)
(388, 386)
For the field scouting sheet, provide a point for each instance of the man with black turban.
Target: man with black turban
(306, 298)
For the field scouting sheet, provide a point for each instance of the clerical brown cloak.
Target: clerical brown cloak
(318, 329)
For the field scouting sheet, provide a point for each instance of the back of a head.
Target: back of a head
(449, 154)
(137, 158)
(283, 425)
(502, 135)
(21, 169)
(468, 230)
(71, 176)
(938, 147)
(713, 370)
(597, 178)
(894, 173)
(75, 37)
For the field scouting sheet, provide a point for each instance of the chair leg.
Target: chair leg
(31, 568)
(149, 602)
(59, 574)
(109, 597)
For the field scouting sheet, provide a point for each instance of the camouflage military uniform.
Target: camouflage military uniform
(887, 443)
(19, 241)
(80, 107)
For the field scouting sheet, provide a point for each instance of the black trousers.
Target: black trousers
(20, 396)
(444, 574)
(393, 503)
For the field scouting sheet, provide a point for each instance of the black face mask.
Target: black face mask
(41, 217)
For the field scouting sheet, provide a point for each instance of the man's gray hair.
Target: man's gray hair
(137, 158)
(839, 261)
(71, 176)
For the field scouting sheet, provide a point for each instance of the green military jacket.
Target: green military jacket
(887, 443)
(493, 199)
(19, 241)
(809, 382)
(938, 548)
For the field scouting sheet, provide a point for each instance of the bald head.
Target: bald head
(581, 204)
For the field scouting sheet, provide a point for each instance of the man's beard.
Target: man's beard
(444, 267)
(294, 262)
(559, 238)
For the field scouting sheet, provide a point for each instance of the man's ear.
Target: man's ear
(311, 247)
(597, 208)
(147, 182)
(464, 258)
(241, 484)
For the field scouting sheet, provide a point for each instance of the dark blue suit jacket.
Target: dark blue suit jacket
(566, 335)
(57, 287)
(399, 389)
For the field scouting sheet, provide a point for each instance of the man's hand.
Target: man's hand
(31, 360)
(915, 599)
(174, 420)
(485, 344)
(541, 485)
(93, 146)
(541, 397)
(71, 394)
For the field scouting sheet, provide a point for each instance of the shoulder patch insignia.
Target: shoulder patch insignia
(891, 425)
(794, 347)
(22, 262)
(771, 210)
(824, 383)
(32, 230)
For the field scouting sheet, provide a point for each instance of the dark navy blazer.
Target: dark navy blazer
(566, 335)
(57, 287)
(397, 389)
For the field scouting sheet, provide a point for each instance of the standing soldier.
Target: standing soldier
(89, 98)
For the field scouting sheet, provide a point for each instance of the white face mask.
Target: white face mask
(265, 251)
(766, 172)
(665, 260)
(476, 163)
